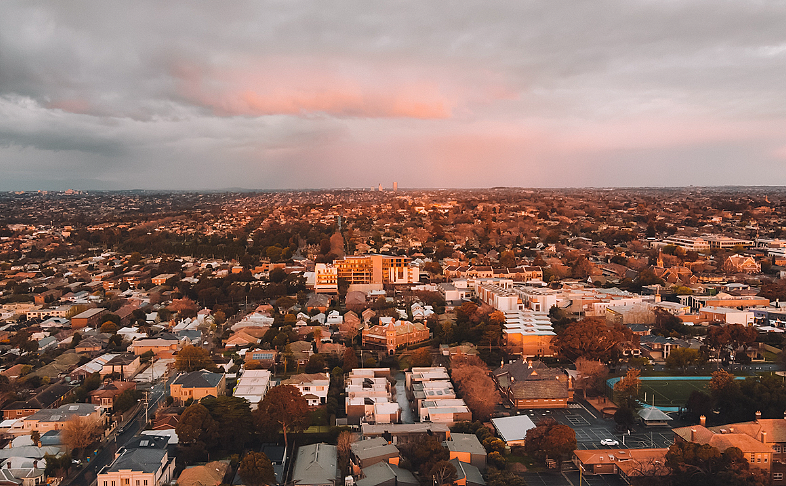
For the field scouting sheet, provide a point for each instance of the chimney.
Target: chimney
(693, 435)
(763, 437)
(758, 416)
(731, 430)
(703, 420)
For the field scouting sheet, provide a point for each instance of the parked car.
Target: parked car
(610, 442)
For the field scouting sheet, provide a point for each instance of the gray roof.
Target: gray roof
(199, 379)
(142, 460)
(650, 414)
(513, 428)
(464, 470)
(382, 472)
(465, 443)
(316, 464)
(63, 412)
(376, 447)
(30, 451)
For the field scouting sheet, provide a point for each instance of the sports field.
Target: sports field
(669, 392)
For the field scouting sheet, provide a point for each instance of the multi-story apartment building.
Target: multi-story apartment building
(377, 269)
(325, 278)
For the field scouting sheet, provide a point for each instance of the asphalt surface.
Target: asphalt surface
(105, 453)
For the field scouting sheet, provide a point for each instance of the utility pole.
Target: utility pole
(147, 396)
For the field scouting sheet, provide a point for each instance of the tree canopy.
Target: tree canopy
(192, 358)
(256, 469)
(282, 407)
(592, 338)
(550, 439)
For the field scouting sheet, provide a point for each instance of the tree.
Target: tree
(550, 439)
(57, 466)
(256, 469)
(627, 389)
(701, 464)
(421, 357)
(109, 327)
(282, 407)
(196, 425)
(350, 360)
(125, 401)
(471, 377)
(423, 453)
(35, 436)
(79, 432)
(444, 473)
(592, 338)
(682, 357)
(192, 358)
(233, 418)
(343, 447)
(592, 375)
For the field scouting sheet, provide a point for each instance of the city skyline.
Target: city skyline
(295, 96)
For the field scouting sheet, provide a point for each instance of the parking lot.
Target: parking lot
(591, 429)
(571, 479)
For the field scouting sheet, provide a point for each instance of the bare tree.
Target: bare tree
(79, 432)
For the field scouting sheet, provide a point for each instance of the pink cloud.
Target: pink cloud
(306, 88)
(74, 105)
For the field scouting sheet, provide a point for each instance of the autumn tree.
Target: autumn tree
(184, 307)
(550, 439)
(282, 407)
(350, 360)
(694, 464)
(592, 375)
(256, 469)
(79, 432)
(591, 338)
(196, 425)
(627, 389)
(423, 453)
(421, 357)
(192, 358)
(471, 377)
(343, 448)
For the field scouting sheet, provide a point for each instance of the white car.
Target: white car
(609, 442)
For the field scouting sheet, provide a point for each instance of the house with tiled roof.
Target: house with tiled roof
(532, 384)
(313, 387)
(762, 442)
(105, 395)
(316, 465)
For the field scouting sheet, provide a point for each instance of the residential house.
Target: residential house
(90, 317)
(105, 395)
(316, 465)
(386, 474)
(56, 418)
(313, 387)
(467, 448)
(403, 433)
(197, 385)
(51, 397)
(467, 474)
(365, 453)
(148, 464)
(252, 385)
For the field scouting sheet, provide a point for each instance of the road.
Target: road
(106, 450)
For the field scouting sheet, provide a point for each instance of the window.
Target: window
(777, 476)
(777, 448)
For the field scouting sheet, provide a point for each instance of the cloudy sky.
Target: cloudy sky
(291, 94)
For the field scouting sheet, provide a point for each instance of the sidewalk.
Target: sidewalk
(602, 404)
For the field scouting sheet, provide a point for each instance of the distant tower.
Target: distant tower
(380, 188)
(339, 222)
(395, 186)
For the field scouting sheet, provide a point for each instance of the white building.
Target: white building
(313, 387)
(252, 386)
